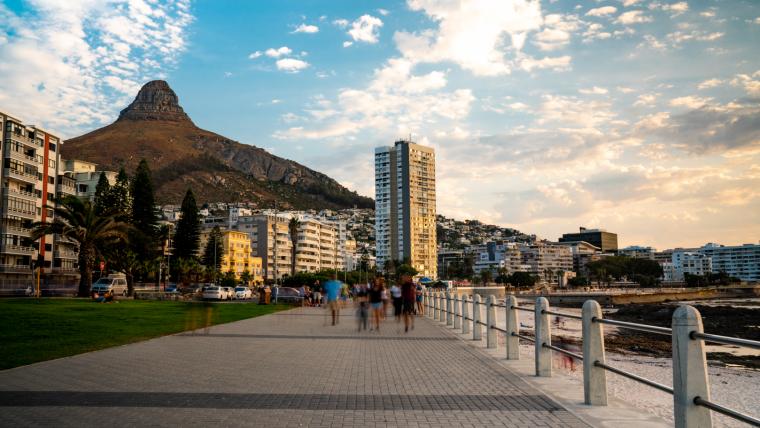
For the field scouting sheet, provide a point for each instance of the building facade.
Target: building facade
(607, 241)
(638, 252)
(738, 261)
(690, 262)
(238, 257)
(405, 207)
(31, 181)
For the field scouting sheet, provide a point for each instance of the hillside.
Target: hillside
(181, 155)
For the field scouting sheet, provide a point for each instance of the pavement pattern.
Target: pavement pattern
(288, 369)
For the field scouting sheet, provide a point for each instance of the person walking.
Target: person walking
(420, 293)
(332, 293)
(361, 303)
(408, 296)
(397, 302)
(376, 301)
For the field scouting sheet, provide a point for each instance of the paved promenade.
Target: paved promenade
(285, 369)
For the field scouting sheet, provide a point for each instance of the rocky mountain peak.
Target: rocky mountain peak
(155, 101)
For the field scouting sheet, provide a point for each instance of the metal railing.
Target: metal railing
(690, 390)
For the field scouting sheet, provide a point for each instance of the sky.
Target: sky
(639, 117)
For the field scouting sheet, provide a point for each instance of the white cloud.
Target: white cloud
(602, 11)
(255, 55)
(560, 63)
(347, 44)
(383, 12)
(677, 8)
(627, 3)
(690, 101)
(750, 83)
(291, 65)
(366, 29)
(481, 52)
(596, 90)
(709, 83)
(82, 61)
(625, 90)
(306, 28)
(707, 14)
(646, 100)
(595, 31)
(653, 42)
(557, 31)
(342, 23)
(276, 53)
(633, 17)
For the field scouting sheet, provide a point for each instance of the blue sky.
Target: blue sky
(641, 117)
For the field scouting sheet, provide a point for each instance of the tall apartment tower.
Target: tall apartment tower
(405, 226)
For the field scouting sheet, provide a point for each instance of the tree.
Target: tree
(77, 220)
(486, 276)
(214, 251)
(405, 269)
(293, 226)
(144, 214)
(103, 197)
(187, 237)
(246, 277)
(522, 280)
(123, 259)
(229, 280)
(121, 196)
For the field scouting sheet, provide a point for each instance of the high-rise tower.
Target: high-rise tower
(405, 227)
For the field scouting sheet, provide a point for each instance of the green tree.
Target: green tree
(123, 259)
(522, 280)
(293, 226)
(405, 269)
(214, 251)
(77, 220)
(103, 198)
(229, 280)
(486, 276)
(246, 277)
(121, 196)
(144, 214)
(187, 237)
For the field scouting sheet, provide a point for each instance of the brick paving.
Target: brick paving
(286, 369)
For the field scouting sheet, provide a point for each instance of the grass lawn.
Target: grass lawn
(34, 330)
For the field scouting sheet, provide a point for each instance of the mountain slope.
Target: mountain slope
(181, 155)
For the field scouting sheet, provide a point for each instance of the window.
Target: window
(52, 147)
(51, 163)
(48, 247)
(51, 180)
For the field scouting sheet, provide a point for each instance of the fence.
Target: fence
(691, 390)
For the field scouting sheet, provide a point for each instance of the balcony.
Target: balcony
(22, 176)
(9, 191)
(65, 254)
(31, 215)
(8, 268)
(17, 250)
(17, 230)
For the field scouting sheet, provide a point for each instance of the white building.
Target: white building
(693, 263)
(637, 252)
(739, 261)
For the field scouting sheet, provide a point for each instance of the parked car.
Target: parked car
(171, 288)
(243, 293)
(230, 292)
(286, 294)
(115, 282)
(213, 292)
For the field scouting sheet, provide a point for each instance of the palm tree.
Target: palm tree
(293, 226)
(77, 220)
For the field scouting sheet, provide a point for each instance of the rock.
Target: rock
(155, 101)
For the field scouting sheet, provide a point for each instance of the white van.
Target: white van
(116, 282)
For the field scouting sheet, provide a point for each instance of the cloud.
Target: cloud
(627, 3)
(646, 100)
(691, 102)
(595, 31)
(633, 17)
(255, 55)
(342, 23)
(81, 61)
(557, 31)
(365, 29)
(677, 8)
(276, 53)
(750, 83)
(602, 11)
(483, 51)
(709, 83)
(291, 65)
(596, 90)
(560, 63)
(347, 44)
(383, 12)
(306, 28)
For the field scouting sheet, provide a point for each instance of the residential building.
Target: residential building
(276, 254)
(583, 254)
(316, 245)
(607, 241)
(405, 210)
(86, 176)
(30, 181)
(447, 257)
(739, 261)
(238, 258)
(690, 262)
(547, 260)
(637, 252)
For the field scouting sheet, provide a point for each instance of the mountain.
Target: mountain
(181, 155)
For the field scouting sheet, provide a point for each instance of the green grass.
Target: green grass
(34, 330)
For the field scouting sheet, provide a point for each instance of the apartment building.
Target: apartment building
(405, 206)
(238, 256)
(269, 233)
(738, 261)
(317, 246)
(546, 259)
(607, 241)
(638, 252)
(690, 262)
(30, 182)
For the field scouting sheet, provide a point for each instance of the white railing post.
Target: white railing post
(441, 314)
(457, 312)
(436, 307)
(449, 309)
(477, 332)
(543, 335)
(425, 302)
(689, 370)
(594, 378)
(513, 342)
(465, 315)
(490, 322)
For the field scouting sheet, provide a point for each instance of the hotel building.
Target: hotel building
(405, 223)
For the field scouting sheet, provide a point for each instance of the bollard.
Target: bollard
(594, 378)
(457, 312)
(477, 332)
(543, 335)
(490, 322)
(436, 308)
(513, 342)
(689, 370)
(449, 309)
(441, 315)
(465, 315)
(425, 302)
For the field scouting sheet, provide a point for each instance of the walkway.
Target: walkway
(285, 369)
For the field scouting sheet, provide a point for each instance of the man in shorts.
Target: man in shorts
(332, 293)
(408, 297)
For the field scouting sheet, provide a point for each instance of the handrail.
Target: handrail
(699, 401)
(528, 338)
(634, 326)
(637, 378)
(520, 308)
(560, 314)
(725, 340)
(563, 351)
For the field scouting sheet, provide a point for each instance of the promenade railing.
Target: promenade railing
(692, 406)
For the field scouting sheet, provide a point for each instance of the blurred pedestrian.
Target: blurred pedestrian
(332, 293)
(376, 301)
(408, 296)
(397, 302)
